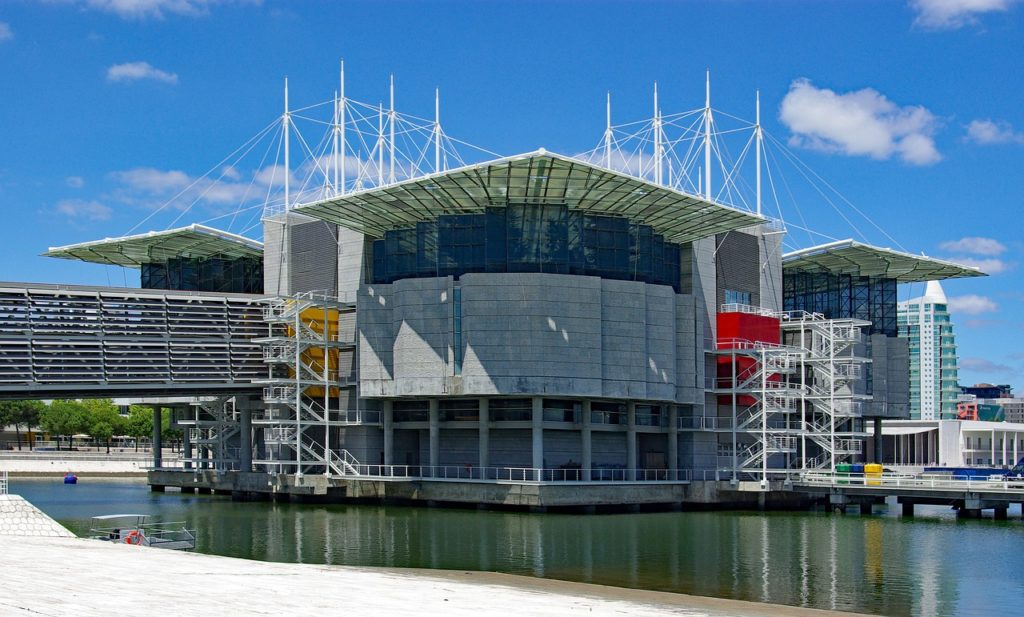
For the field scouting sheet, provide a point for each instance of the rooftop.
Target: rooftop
(535, 177)
(858, 259)
(158, 246)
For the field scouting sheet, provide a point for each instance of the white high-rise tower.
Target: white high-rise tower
(925, 322)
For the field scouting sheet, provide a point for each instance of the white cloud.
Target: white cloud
(75, 182)
(859, 123)
(972, 304)
(953, 14)
(80, 209)
(982, 365)
(973, 245)
(988, 266)
(6, 33)
(155, 9)
(134, 71)
(987, 132)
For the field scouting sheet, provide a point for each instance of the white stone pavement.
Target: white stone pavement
(72, 577)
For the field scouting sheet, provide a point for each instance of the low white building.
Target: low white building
(950, 443)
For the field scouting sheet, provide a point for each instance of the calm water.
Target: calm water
(931, 565)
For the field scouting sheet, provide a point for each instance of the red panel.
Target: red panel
(745, 326)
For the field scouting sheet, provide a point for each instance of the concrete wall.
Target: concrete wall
(531, 334)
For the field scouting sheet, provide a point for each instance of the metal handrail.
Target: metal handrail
(1000, 483)
(3, 482)
(531, 475)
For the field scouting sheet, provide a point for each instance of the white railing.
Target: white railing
(74, 457)
(998, 483)
(519, 474)
(735, 307)
(3, 482)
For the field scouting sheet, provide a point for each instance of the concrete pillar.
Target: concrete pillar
(587, 438)
(907, 508)
(878, 439)
(158, 444)
(186, 445)
(388, 420)
(435, 434)
(538, 434)
(673, 442)
(245, 445)
(485, 436)
(999, 513)
(631, 441)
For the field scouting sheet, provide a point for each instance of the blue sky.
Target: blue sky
(911, 110)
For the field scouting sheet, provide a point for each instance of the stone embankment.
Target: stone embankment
(20, 518)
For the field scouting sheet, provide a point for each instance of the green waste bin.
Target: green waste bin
(843, 472)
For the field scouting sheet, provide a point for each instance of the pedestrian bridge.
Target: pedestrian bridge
(59, 341)
(968, 495)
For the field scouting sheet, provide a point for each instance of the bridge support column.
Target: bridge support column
(186, 446)
(388, 421)
(877, 438)
(484, 436)
(245, 439)
(631, 441)
(586, 435)
(158, 445)
(435, 434)
(968, 513)
(1000, 513)
(907, 508)
(837, 501)
(538, 436)
(673, 443)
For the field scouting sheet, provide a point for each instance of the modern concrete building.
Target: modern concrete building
(926, 325)
(530, 330)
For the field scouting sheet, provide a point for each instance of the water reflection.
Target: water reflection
(878, 564)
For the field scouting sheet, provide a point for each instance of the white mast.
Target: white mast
(707, 137)
(437, 130)
(391, 129)
(757, 137)
(334, 146)
(380, 144)
(341, 125)
(286, 120)
(657, 138)
(608, 132)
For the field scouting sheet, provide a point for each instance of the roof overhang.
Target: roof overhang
(157, 246)
(536, 177)
(857, 259)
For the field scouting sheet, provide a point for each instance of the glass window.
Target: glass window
(737, 297)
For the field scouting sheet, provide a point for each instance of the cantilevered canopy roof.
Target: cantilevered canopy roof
(157, 246)
(536, 177)
(852, 257)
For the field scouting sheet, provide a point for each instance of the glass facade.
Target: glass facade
(527, 238)
(240, 275)
(839, 296)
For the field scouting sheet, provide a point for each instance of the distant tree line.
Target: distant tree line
(98, 418)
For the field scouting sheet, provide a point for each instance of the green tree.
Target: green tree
(170, 435)
(139, 423)
(103, 420)
(64, 417)
(21, 414)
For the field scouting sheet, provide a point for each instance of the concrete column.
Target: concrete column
(586, 437)
(878, 439)
(388, 420)
(538, 433)
(245, 449)
(435, 434)
(631, 441)
(908, 508)
(186, 445)
(485, 435)
(999, 513)
(158, 444)
(673, 442)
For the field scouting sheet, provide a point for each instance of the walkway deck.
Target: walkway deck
(83, 578)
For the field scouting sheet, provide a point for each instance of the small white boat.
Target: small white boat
(135, 529)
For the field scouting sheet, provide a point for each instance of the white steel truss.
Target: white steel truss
(791, 405)
(307, 390)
